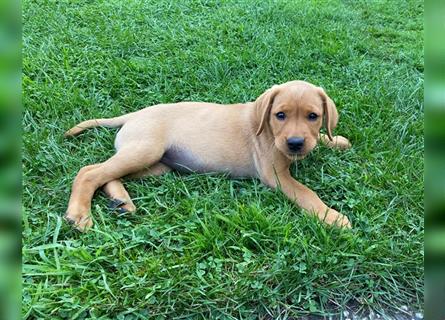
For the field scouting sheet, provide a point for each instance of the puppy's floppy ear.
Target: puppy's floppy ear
(263, 105)
(330, 113)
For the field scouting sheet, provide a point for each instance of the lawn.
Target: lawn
(204, 246)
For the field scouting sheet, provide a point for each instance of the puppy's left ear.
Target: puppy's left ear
(263, 105)
(330, 113)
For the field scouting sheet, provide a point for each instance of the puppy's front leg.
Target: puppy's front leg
(309, 200)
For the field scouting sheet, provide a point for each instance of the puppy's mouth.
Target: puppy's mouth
(297, 155)
(294, 155)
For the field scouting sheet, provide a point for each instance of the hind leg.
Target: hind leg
(155, 170)
(128, 160)
(119, 195)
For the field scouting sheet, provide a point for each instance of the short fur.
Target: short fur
(243, 140)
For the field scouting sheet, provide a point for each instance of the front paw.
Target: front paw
(338, 142)
(335, 218)
(341, 143)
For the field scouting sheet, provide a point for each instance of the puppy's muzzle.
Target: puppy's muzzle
(295, 144)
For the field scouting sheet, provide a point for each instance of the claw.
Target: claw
(122, 210)
(118, 206)
(115, 203)
(68, 220)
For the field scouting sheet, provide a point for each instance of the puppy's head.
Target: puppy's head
(293, 114)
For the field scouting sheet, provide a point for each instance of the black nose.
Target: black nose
(295, 143)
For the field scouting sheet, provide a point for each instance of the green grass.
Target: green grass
(205, 246)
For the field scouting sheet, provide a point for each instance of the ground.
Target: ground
(204, 246)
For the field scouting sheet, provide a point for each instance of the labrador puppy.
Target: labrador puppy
(258, 139)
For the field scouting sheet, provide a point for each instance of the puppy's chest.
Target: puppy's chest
(185, 160)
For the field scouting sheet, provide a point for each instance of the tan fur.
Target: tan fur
(244, 140)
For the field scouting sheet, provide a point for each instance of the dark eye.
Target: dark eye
(280, 115)
(312, 116)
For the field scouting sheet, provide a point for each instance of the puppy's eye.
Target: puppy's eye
(312, 116)
(280, 115)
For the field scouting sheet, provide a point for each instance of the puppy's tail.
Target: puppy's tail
(110, 123)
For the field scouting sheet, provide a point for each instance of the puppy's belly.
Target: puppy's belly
(184, 160)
